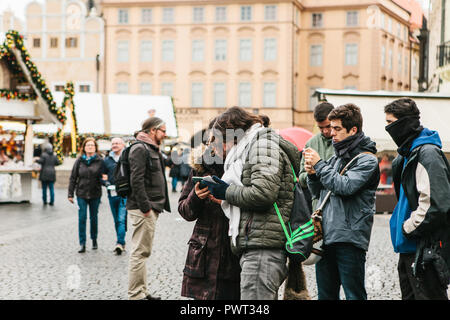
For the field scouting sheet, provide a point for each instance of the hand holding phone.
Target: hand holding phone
(201, 191)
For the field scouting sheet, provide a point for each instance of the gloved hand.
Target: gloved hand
(218, 189)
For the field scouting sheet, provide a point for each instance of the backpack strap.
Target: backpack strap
(147, 148)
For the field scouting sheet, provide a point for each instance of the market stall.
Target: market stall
(25, 101)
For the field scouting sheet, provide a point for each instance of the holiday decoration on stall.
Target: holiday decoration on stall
(67, 103)
(15, 41)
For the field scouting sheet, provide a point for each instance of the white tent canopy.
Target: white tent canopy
(434, 112)
(116, 114)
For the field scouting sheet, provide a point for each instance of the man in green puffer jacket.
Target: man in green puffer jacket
(266, 178)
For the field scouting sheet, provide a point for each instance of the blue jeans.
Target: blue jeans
(50, 186)
(174, 183)
(82, 217)
(342, 264)
(119, 212)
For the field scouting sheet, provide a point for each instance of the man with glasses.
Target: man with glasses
(321, 142)
(148, 198)
(116, 202)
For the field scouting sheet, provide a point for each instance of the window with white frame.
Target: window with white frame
(220, 97)
(270, 13)
(197, 95)
(146, 50)
(36, 42)
(245, 49)
(220, 50)
(122, 87)
(382, 20)
(246, 13)
(168, 15)
(351, 54)
(146, 16)
(352, 18)
(399, 29)
(400, 61)
(84, 87)
(123, 16)
(389, 27)
(122, 51)
(270, 49)
(167, 89)
(383, 56)
(221, 14)
(145, 88)
(317, 20)
(391, 59)
(53, 42)
(406, 65)
(59, 87)
(198, 48)
(71, 42)
(245, 94)
(168, 47)
(270, 94)
(316, 54)
(198, 14)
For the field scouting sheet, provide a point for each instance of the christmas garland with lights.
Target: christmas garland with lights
(15, 40)
(58, 141)
(12, 94)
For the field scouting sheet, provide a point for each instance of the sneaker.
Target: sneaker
(149, 297)
(94, 245)
(118, 249)
(82, 249)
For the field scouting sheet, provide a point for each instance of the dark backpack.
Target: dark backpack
(122, 171)
(300, 229)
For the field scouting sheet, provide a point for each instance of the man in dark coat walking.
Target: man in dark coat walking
(48, 161)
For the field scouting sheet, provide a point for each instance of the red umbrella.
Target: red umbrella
(298, 136)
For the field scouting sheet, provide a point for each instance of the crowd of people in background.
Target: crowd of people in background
(233, 187)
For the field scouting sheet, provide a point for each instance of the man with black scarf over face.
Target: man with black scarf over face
(420, 228)
(348, 215)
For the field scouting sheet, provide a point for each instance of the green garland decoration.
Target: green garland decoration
(13, 95)
(15, 40)
(58, 141)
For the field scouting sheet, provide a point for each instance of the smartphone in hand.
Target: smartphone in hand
(199, 179)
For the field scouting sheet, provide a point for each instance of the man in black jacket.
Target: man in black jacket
(48, 161)
(148, 198)
(420, 223)
(116, 202)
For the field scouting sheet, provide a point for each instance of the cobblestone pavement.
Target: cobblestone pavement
(39, 258)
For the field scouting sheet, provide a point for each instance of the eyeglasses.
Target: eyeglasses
(164, 131)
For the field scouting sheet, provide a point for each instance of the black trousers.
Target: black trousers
(425, 288)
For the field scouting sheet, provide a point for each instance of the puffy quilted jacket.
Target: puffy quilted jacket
(267, 178)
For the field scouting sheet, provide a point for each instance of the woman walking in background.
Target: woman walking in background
(47, 175)
(86, 179)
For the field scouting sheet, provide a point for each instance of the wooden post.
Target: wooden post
(28, 144)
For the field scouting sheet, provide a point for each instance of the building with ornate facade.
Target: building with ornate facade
(439, 46)
(267, 56)
(67, 43)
